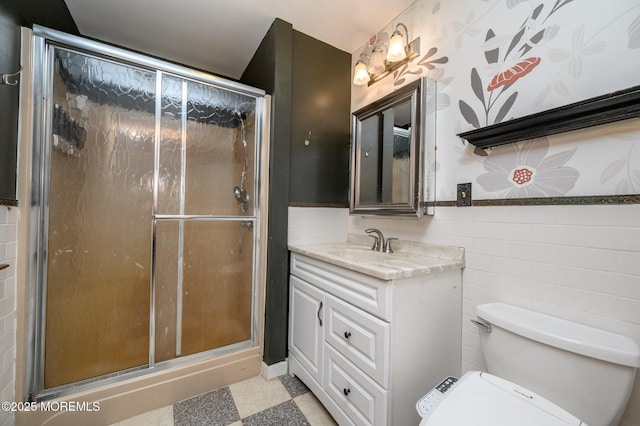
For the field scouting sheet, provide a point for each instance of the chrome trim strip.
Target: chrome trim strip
(32, 371)
(182, 201)
(204, 217)
(154, 225)
(138, 59)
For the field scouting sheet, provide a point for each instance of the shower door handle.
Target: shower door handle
(319, 310)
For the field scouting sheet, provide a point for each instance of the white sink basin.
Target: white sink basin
(409, 259)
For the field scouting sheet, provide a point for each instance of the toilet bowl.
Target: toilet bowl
(539, 365)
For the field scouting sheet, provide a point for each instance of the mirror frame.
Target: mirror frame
(422, 151)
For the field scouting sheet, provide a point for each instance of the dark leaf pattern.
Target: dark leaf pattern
(506, 107)
(514, 41)
(469, 114)
(537, 37)
(537, 10)
(491, 55)
(476, 85)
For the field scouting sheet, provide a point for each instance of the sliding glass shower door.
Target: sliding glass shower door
(148, 207)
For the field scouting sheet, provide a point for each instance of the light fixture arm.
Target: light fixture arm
(406, 31)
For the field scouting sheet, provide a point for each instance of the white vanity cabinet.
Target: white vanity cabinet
(367, 347)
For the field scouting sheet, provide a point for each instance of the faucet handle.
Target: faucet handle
(387, 245)
(376, 242)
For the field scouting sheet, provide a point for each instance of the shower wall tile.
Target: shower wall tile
(8, 236)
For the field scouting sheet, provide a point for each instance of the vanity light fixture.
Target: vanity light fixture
(397, 50)
(360, 73)
(397, 54)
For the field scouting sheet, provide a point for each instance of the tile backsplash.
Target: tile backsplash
(8, 237)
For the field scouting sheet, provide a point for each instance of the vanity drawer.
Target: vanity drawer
(370, 294)
(360, 337)
(363, 400)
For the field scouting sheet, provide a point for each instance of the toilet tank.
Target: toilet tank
(587, 371)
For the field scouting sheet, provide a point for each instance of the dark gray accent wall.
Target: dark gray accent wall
(270, 69)
(310, 86)
(321, 105)
(13, 14)
(9, 101)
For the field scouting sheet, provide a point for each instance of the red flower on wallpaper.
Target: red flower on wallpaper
(514, 73)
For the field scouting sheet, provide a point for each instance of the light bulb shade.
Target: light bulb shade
(377, 61)
(396, 50)
(360, 74)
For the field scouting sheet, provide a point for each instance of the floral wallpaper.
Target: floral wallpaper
(495, 60)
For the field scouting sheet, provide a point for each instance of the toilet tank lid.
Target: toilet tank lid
(563, 334)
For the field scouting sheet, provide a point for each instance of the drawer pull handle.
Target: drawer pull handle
(320, 319)
(346, 391)
(347, 334)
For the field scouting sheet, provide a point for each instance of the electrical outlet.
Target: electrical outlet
(464, 195)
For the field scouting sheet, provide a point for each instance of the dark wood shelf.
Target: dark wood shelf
(609, 108)
(4, 266)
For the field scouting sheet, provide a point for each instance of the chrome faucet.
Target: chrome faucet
(380, 244)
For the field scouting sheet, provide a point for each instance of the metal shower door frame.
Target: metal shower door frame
(45, 41)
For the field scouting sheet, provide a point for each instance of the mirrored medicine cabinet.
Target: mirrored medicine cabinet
(393, 153)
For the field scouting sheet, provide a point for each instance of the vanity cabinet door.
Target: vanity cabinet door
(306, 320)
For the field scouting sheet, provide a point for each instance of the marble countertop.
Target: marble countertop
(409, 259)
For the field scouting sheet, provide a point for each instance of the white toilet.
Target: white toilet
(545, 371)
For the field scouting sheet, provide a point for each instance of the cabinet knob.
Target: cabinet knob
(346, 391)
(347, 334)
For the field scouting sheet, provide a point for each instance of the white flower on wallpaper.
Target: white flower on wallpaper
(466, 28)
(583, 46)
(580, 48)
(524, 170)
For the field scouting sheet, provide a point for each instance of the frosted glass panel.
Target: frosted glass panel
(203, 286)
(207, 150)
(98, 272)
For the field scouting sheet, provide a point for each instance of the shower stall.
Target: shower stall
(146, 216)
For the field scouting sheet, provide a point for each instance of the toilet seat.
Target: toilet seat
(481, 399)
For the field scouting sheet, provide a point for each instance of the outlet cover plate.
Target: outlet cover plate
(464, 195)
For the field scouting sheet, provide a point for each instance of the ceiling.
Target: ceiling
(222, 36)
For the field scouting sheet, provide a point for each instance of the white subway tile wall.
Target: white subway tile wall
(8, 237)
(580, 263)
(317, 225)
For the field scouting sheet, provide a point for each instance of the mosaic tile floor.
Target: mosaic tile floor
(255, 401)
